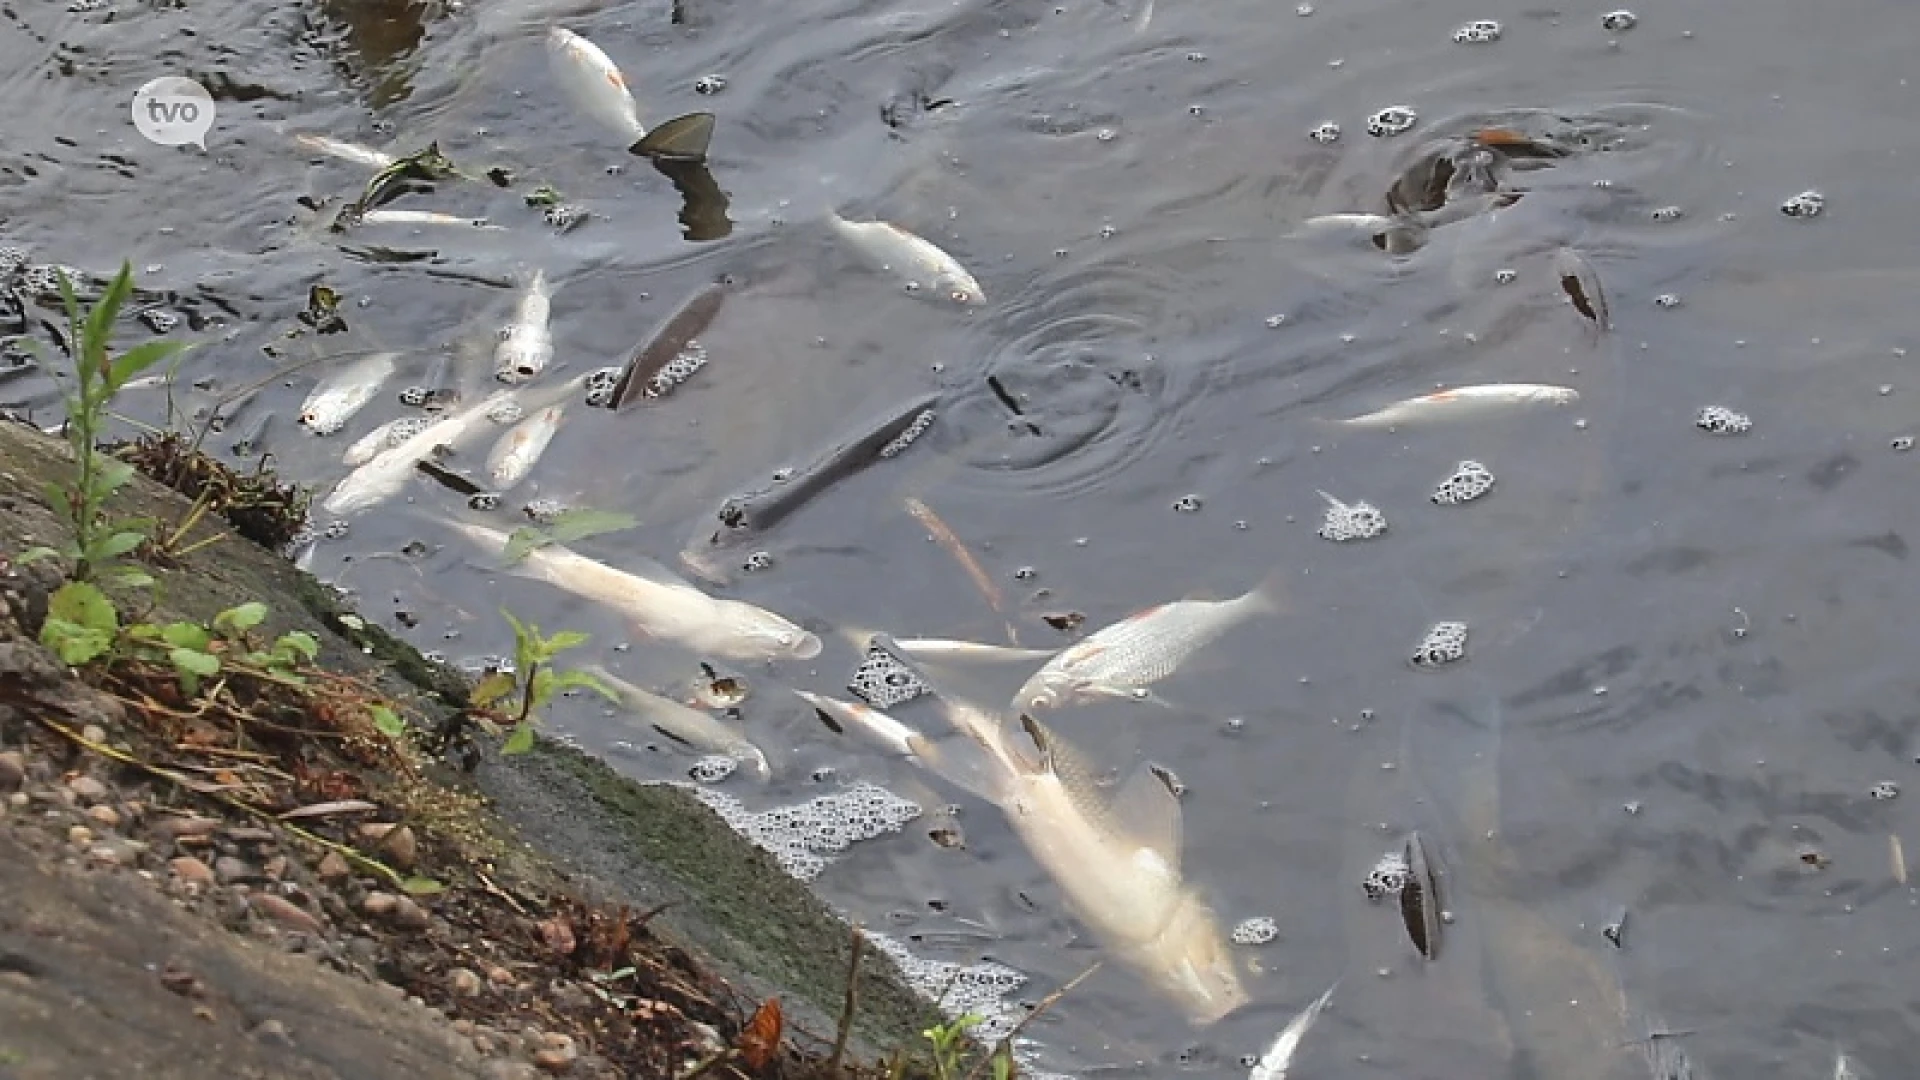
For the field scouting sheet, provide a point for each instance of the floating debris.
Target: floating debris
(1619, 21)
(1187, 504)
(1581, 282)
(709, 84)
(883, 680)
(1445, 644)
(1469, 481)
(1804, 205)
(1347, 522)
(1615, 930)
(1325, 134)
(1420, 899)
(1884, 790)
(1720, 420)
(1392, 120)
(1255, 931)
(1478, 32)
(1387, 877)
(1898, 856)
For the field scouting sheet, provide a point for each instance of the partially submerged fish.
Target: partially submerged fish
(423, 217)
(748, 517)
(346, 151)
(515, 455)
(593, 81)
(870, 723)
(1123, 659)
(386, 436)
(684, 723)
(1465, 402)
(386, 473)
(648, 373)
(660, 605)
(949, 649)
(1420, 899)
(1272, 1065)
(526, 345)
(335, 398)
(892, 249)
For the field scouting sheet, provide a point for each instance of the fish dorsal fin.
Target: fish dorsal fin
(681, 139)
(1145, 809)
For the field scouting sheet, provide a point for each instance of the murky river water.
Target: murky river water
(1689, 657)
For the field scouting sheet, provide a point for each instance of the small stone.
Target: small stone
(333, 867)
(87, 788)
(79, 836)
(463, 1026)
(13, 771)
(463, 982)
(104, 816)
(556, 1059)
(272, 1031)
(499, 976)
(410, 916)
(229, 870)
(285, 912)
(191, 871)
(94, 733)
(276, 868)
(378, 905)
(395, 844)
(183, 829)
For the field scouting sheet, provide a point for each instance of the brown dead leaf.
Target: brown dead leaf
(760, 1040)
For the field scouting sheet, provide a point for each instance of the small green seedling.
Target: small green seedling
(533, 679)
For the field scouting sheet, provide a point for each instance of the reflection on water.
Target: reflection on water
(1684, 674)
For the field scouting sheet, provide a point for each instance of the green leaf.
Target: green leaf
(100, 319)
(521, 542)
(566, 679)
(72, 643)
(185, 635)
(111, 475)
(421, 886)
(542, 688)
(129, 577)
(565, 639)
(34, 555)
(492, 689)
(242, 618)
(116, 545)
(387, 721)
(83, 605)
(298, 642)
(138, 359)
(520, 741)
(570, 525)
(193, 661)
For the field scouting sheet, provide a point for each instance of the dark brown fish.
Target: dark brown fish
(1420, 900)
(643, 377)
(1581, 283)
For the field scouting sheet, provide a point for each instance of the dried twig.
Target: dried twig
(1045, 1004)
(944, 536)
(846, 1010)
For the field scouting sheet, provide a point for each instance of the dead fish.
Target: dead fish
(1844, 1067)
(1123, 659)
(892, 249)
(346, 151)
(1420, 899)
(870, 723)
(1272, 1065)
(423, 217)
(948, 650)
(515, 455)
(526, 345)
(594, 83)
(1393, 235)
(1581, 283)
(649, 372)
(386, 473)
(335, 398)
(1465, 402)
(683, 722)
(386, 436)
(659, 604)
(747, 517)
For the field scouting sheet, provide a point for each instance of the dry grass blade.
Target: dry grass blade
(847, 1009)
(945, 537)
(1045, 1004)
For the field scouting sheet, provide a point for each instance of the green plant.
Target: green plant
(82, 626)
(951, 1041)
(534, 679)
(99, 542)
(565, 527)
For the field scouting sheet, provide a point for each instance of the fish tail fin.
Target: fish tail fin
(681, 139)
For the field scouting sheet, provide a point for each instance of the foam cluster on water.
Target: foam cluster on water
(1392, 120)
(1347, 522)
(1445, 644)
(506, 412)
(1805, 204)
(1326, 133)
(1468, 481)
(883, 681)
(1619, 21)
(159, 320)
(805, 837)
(712, 769)
(678, 370)
(1255, 931)
(600, 383)
(1720, 420)
(978, 989)
(1387, 877)
(1478, 32)
(912, 433)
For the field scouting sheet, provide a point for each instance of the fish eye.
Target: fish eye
(785, 637)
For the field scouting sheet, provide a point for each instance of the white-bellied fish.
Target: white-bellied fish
(684, 723)
(660, 605)
(1272, 1065)
(386, 436)
(1465, 403)
(386, 473)
(339, 395)
(1123, 659)
(424, 217)
(517, 451)
(346, 151)
(1116, 859)
(591, 78)
(526, 344)
(918, 262)
(871, 724)
(938, 650)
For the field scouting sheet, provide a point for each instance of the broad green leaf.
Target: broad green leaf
(299, 642)
(492, 689)
(144, 631)
(34, 555)
(83, 605)
(138, 359)
(542, 687)
(194, 661)
(521, 542)
(520, 741)
(112, 475)
(117, 544)
(185, 635)
(570, 525)
(242, 618)
(107, 308)
(565, 639)
(129, 577)
(566, 679)
(387, 721)
(421, 886)
(72, 643)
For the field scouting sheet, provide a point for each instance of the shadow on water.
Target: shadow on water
(1684, 675)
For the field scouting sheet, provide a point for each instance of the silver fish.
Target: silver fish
(424, 217)
(1272, 1065)
(386, 473)
(894, 250)
(1123, 659)
(515, 455)
(526, 345)
(386, 436)
(590, 77)
(683, 722)
(346, 151)
(1465, 402)
(950, 650)
(659, 604)
(338, 396)
(871, 723)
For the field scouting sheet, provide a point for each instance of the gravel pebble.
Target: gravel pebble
(463, 982)
(86, 787)
(285, 912)
(192, 871)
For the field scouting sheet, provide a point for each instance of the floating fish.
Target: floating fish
(526, 345)
(1465, 402)
(387, 435)
(948, 650)
(385, 474)
(649, 373)
(1420, 899)
(593, 81)
(892, 249)
(1123, 659)
(684, 723)
(338, 396)
(659, 604)
(346, 151)
(515, 455)
(1272, 1065)
(749, 517)
(423, 217)
(871, 723)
